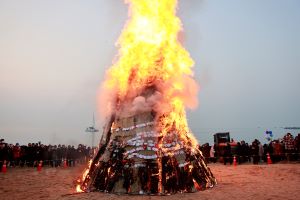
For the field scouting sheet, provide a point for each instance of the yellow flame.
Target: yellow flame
(78, 189)
(151, 54)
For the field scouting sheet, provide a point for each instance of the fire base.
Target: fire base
(134, 159)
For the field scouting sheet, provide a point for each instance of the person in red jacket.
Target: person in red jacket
(16, 154)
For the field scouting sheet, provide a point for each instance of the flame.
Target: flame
(78, 189)
(85, 173)
(197, 186)
(150, 54)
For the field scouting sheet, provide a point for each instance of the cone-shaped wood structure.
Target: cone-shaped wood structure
(134, 158)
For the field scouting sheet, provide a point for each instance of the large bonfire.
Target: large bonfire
(147, 146)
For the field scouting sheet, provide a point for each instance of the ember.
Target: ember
(147, 147)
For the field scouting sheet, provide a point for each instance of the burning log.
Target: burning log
(147, 147)
(137, 160)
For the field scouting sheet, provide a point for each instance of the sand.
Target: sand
(277, 181)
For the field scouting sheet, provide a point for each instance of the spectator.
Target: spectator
(243, 152)
(255, 151)
(212, 154)
(277, 151)
(238, 152)
(289, 148)
(260, 151)
(16, 154)
(227, 154)
(297, 145)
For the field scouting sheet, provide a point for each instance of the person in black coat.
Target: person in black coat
(227, 154)
(255, 151)
(2, 153)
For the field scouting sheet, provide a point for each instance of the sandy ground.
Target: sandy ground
(278, 181)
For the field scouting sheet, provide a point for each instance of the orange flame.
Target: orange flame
(85, 173)
(150, 54)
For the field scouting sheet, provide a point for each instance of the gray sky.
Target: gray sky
(53, 55)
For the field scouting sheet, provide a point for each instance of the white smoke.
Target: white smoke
(146, 104)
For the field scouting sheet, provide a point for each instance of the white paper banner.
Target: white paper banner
(133, 127)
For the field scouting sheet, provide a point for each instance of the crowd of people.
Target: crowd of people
(286, 148)
(52, 155)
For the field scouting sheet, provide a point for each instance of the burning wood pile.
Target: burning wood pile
(147, 147)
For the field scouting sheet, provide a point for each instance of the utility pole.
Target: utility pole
(92, 130)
